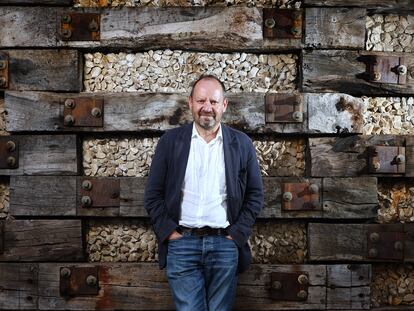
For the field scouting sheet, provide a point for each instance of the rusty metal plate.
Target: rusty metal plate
(4, 70)
(384, 244)
(281, 108)
(388, 69)
(386, 159)
(300, 197)
(77, 281)
(9, 152)
(289, 286)
(83, 111)
(80, 26)
(282, 23)
(1, 236)
(104, 192)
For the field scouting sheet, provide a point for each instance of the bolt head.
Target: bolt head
(70, 103)
(11, 161)
(376, 76)
(91, 280)
(69, 120)
(287, 196)
(66, 33)
(303, 279)
(302, 294)
(373, 252)
(374, 237)
(86, 201)
(65, 272)
(402, 70)
(66, 18)
(11, 146)
(96, 112)
(86, 185)
(270, 23)
(276, 285)
(297, 116)
(93, 26)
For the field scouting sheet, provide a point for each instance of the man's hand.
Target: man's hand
(229, 237)
(174, 235)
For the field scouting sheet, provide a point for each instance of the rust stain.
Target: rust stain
(103, 301)
(353, 109)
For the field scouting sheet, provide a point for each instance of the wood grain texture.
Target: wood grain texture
(45, 70)
(27, 26)
(349, 242)
(38, 2)
(46, 155)
(43, 111)
(345, 71)
(335, 28)
(131, 287)
(397, 6)
(42, 240)
(348, 198)
(346, 156)
(409, 156)
(334, 113)
(19, 285)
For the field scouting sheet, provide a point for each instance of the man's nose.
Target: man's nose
(207, 106)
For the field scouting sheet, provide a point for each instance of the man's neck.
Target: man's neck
(207, 135)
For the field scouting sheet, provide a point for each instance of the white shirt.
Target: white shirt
(204, 191)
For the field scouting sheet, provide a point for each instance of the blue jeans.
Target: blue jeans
(202, 272)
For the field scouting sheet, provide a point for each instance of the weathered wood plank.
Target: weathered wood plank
(349, 242)
(41, 111)
(18, 283)
(335, 27)
(346, 156)
(42, 196)
(42, 240)
(377, 5)
(345, 72)
(350, 197)
(45, 70)
(38, 2)
(46, 155)
(57, 196)
(334, 113)
(27, 26)
(409, 155)
(132, 286)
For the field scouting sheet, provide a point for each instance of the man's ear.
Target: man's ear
(190, 102)
(225, 103)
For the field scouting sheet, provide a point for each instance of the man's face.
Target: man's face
(207, 104)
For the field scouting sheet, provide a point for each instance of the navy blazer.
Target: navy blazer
(162, 198)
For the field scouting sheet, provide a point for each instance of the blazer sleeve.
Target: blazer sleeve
(154, 197)
(253, 200)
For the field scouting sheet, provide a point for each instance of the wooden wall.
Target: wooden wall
(89, 86)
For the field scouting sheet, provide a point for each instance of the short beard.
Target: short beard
(208, 125)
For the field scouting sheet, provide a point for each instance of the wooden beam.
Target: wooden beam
(335, 28)
(347, 156)
(349, 242)
(385, 6)
(45, 70)
(346, 72)
(132, 287)
(42, 240)
(41, 111)
(351, 198)
(46, 155)
(37, 2)
(19, 285)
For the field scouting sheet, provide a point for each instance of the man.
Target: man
(203, 194)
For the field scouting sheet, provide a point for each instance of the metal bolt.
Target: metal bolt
(402, 70)
(11, 161)
(66, 33)
(313, 188)
(69, 120)
(295, 31)
(86, 201)
(373, 252)
(297, 116)
(398, 246)
(96, 112)
(11, 146)
(2, 81)
(303, 279)
(302, 294)
(70, 103)
(374, 237)
(65, 272)
(376, 166)
(3, 64)
(400, 159)
(66, 18)
(276, 285)
(270, 23)
(287, 196)
(87, 185)
(93, 26)
(376, 76)
(91, 280)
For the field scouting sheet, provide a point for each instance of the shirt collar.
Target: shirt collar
(195, 133)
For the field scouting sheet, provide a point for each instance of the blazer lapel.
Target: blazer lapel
(181, 152)
(230, 158)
